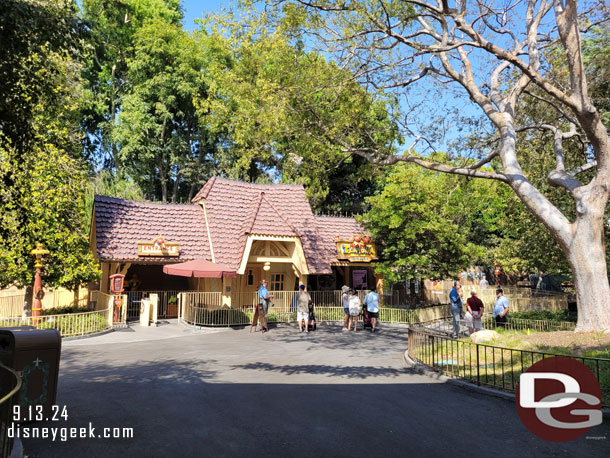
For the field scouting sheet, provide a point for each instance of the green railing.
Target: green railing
(200, 313)
(518, 324)
(10, 384)
(70, 324)
(488, 365)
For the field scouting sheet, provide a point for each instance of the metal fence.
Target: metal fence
(488, 365)
(70, 324)
(10, 384)
(202, 309)
(519, 324)
(167, 306)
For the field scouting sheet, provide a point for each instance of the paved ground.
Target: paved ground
(279, 394)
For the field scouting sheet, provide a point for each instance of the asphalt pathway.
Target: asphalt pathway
(280, 394)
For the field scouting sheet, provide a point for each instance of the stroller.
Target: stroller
(312, 323)
(366, 319)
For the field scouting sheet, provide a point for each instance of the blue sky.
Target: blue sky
(194, 9)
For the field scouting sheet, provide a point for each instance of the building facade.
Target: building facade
(259, 230)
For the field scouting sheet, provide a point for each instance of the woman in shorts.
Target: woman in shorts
(355, 306)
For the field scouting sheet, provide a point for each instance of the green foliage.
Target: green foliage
(65, 310)
(113, 25)
(283, 112)
(42, 175)
(548, 315)
(424, 220)
(161, 140)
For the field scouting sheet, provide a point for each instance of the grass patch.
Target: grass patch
(500, 363)
(548, 315)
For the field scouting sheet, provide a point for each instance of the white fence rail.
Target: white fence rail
(70, 324)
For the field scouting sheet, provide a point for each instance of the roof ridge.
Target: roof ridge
(249, 223)
(290, 225)
(249, 183)
(102, 198)
(336, 216)
(205, 190)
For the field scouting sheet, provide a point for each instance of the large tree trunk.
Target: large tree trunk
(28, 300)
(586, 254)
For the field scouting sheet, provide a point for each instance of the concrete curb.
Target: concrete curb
(425, 370)
(86, 336)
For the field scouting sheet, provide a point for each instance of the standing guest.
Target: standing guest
(483, 283)
(355, 305)
(303, 300)
(456, 307)
(460, 289)
(500, 308)
(345, 300)
(371, 301)
(463, 276)
(475, 306)
(264, 297)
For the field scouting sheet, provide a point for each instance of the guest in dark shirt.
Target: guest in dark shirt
(475, 306)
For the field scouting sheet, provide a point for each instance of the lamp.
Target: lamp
(267, 266)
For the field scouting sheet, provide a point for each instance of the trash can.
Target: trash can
(145, 312)
(35, 355)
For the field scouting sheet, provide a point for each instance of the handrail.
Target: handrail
(17, 385)
(484, 364)
(6, 410)
(68, 324)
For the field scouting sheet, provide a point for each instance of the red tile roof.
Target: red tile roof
(121, 224)
(235, 209)
(330, 227)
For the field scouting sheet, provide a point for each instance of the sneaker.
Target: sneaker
(345, 329)
(306, 330)
(301, 330)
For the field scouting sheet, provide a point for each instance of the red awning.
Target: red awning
(199, 268)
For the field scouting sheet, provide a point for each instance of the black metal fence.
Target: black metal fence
(167, 308)
(488, 365)
(10, 384)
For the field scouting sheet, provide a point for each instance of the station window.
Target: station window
(250, 277)
(277, 282)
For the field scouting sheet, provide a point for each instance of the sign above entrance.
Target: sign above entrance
(357, 249)
(158, 247)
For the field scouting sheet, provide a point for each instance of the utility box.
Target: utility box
(35, 355)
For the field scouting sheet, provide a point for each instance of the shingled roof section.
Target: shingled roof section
(235, 208)
(330, 227)
(121, 224)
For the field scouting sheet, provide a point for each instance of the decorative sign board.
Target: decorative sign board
(357, 249)
(116, 283)
(158, 247)
(359, 279)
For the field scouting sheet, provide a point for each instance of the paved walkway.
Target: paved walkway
(279, 394)
(167, 329)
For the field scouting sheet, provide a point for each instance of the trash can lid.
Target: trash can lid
(30, 338)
